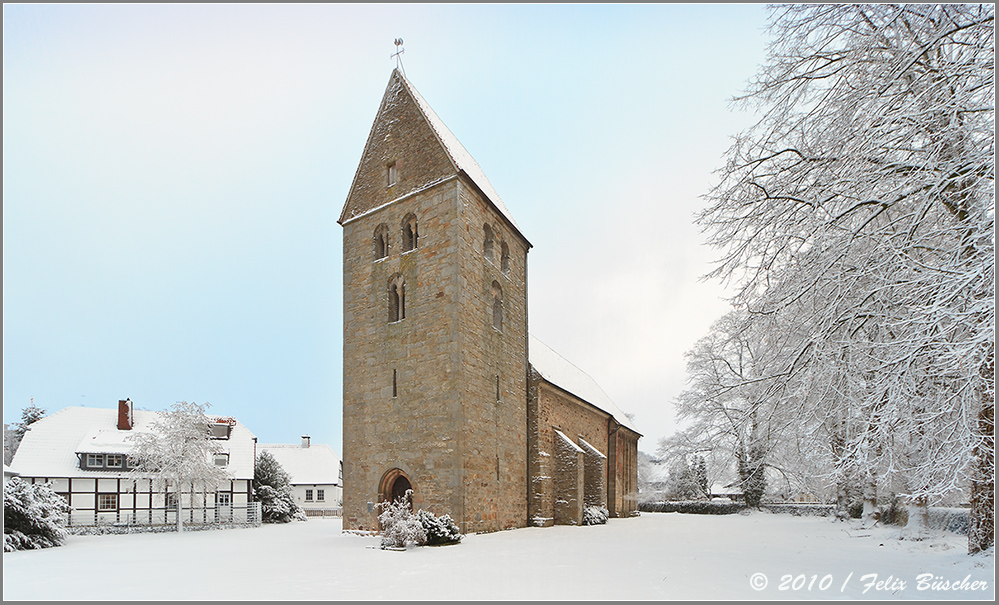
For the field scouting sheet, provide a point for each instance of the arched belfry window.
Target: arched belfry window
(497, 307)
(505, 258)
(488, 241)
(381, 241)
(396, 299)
(410, 235)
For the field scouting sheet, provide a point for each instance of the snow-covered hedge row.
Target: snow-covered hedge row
(802, 510)
(694, 507)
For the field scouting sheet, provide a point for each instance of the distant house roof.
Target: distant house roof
(558, 371)
(50, 446)
(316, 464)
(462, 160)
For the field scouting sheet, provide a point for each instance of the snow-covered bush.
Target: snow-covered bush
(595, 515)
(400, 527)
(439, 530)
(32, 516)
(272, 488)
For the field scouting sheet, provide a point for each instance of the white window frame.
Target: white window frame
(104, 502)
(320, 495)
(308, 495)
(118, 458)
(95, 460)
(223, 457)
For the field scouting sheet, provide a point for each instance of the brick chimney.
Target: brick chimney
(125, 415)
(305, 441)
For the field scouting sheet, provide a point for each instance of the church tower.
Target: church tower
(435, 328)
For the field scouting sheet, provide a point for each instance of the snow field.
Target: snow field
(656, 556)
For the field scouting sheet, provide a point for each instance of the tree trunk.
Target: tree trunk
(180, 512)
(918, 526)
(981, 533)
(871, 512)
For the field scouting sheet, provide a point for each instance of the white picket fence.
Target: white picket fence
(242, 515)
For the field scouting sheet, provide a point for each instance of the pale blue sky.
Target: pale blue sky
(173, 175)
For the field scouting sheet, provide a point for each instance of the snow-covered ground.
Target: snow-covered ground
(655, 556)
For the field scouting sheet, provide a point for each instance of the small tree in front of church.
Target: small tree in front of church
(399, 526)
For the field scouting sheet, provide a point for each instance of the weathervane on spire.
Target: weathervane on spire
(398, 55)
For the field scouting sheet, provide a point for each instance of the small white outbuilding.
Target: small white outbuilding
(316, 475)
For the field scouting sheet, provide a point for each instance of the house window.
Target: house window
(95, 460)
(381, 241)
(114, 461)
(170, 500)
(107, 501)
(410, 235)
(221, 459)
(487, 241)
(392, 173)
(505, 259)
(308, 495)
(320, 495)
(497, 307)
(397, 299)
(223, 498)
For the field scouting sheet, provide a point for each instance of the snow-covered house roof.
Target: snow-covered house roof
(558, 371)
(51, 444)
(308, 464)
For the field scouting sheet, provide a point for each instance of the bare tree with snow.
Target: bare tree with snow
(861, 205)
(178, 452)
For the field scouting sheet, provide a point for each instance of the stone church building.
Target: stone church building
(444, 390)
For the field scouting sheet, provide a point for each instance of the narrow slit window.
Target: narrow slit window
(497, 388)
(395, 384)
(397, 300)
(487, 241)
(392, 173)
(381, 242)
(410, 235)
(505, 259)
(497, 307)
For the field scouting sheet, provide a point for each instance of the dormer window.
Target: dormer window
(392, 173)
(219, 430)
(112, 462)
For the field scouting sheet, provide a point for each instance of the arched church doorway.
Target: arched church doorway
(394, 486)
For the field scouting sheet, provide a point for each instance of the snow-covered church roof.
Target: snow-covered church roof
(557, 370)
(315, 464)
(50, 446)
(462, 160)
